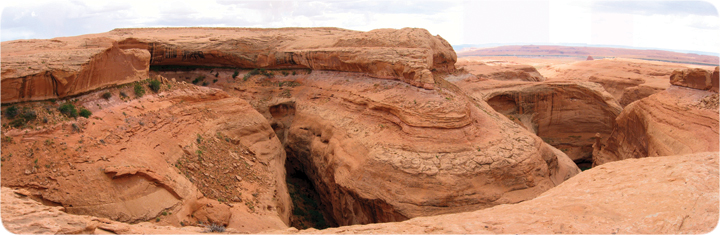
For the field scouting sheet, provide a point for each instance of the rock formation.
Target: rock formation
(672, 122)
(566, 115)
(601, 200)
(696, 78)
(408, 54)
(62, 67)
(590, 58)
(135, 161)
(382, 151)
(625, 79)
(498, 70)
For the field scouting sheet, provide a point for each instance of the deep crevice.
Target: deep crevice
(308, 209)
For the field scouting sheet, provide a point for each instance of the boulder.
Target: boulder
(696, 78)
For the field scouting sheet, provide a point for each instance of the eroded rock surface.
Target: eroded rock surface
(500, 70)
(61, 67)
(601, 201)
(567, 115)
(382, 150)
(627, 80)
(696, 78)
(139, 159)
(676, 121)
(408, 54)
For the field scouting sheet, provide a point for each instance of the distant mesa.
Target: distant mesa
(590, 58)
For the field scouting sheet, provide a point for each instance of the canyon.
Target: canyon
(327, 130)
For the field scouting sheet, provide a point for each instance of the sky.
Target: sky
(670, 25)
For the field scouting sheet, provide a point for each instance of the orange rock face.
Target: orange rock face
(407, 54)
(694, 78)
(61, 67)
(566, 115)
(676, 121)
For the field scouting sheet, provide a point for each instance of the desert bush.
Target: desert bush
(69, 110)
(106, 95)
(235, 74)
(155, 85)
(215, 228)
(85, 113)
(11, 112)
(139, 90)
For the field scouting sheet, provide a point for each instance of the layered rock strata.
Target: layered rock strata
(382, 151)
(676, 121)
(137, 160)
(62, 67)
(566, 115)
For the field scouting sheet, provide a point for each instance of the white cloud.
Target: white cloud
(642, 23)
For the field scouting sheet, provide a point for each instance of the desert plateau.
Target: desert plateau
(328, 130)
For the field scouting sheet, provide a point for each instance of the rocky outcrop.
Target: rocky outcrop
(674, 194)
(566, 115)
(408, 54)
(672, 122)
(139, 160)
(22, 215)
(500, 70)
(696, 78)
(625, 79)
(382, 151)
(62, 67)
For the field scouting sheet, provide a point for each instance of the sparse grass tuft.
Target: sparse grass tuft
(139, 90)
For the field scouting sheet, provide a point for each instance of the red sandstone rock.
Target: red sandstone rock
(693, 78)
(501, 70)
(61, 67)
(131, 160)
(590, 58)
(676, 121)
(674, 194)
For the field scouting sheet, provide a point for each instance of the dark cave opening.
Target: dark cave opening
(308, 209)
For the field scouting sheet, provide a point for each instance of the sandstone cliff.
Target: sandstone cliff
(407, 54)
(61, 67)
(566, 115)
(676, 121)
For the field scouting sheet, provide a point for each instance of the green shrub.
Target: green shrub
(215, 80)
(217, 74)
(11, 112)
(285, 73)
(69, 110)
(85, 113)
(198, 79)
(106, 95)
(205, 83)
(235, 74)
(139, 90)
(155, 85)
